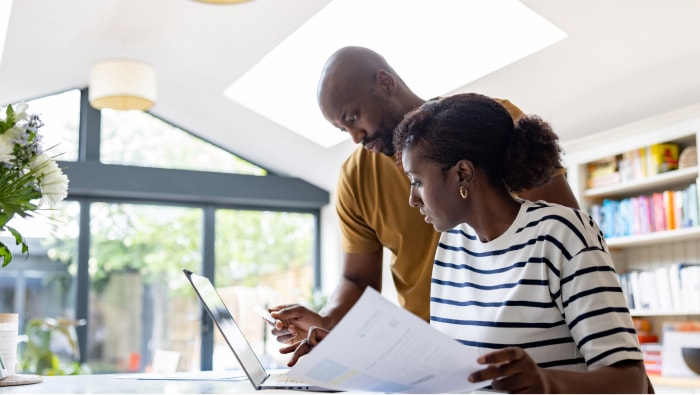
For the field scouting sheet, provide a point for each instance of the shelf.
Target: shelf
(662, 313)
(663, 180)
(679, 382)
(654, 238)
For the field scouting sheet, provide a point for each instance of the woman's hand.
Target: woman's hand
(512, 370)
(305, 346)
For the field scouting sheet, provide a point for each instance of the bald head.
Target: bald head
(348, 66)
(359, 93)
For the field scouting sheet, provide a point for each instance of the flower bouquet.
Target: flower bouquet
(29, 178)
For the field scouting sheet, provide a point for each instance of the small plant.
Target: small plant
(51, 348)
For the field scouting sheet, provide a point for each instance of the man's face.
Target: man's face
(363, 112)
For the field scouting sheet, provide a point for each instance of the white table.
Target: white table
(177, 383)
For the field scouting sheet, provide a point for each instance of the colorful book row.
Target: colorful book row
(633, 165)
(660, 211)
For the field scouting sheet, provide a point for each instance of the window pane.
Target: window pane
(61, 116)
(40, 286)
(263, 259)
(140, 301)
(140, 139)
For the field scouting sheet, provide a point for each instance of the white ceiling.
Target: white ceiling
(622, 61)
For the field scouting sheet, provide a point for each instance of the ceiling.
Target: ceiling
(622, 61)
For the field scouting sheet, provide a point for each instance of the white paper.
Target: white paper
(380, 347)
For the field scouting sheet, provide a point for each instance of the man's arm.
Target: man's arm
(557, 190)
(359, 271)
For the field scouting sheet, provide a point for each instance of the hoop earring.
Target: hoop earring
(463, 192)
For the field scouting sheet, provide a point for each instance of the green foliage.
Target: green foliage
(252, 244)
(317, 299)
(156, 241)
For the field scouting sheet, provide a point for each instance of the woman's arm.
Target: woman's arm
(513, 370)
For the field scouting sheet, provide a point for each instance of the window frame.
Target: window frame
(92, 181)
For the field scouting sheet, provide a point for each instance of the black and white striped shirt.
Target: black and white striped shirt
(547, 285)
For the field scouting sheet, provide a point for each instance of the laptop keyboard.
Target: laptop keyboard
(283, 378)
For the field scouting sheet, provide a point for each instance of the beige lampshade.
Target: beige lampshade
(223, 1)
(122, 84)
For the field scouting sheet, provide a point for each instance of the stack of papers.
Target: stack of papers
(380, 347)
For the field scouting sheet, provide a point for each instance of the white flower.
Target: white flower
(52, 182)
(27, 175)
(20, 111)
(6, 155)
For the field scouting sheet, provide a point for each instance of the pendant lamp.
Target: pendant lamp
(223, 1)
(122, 84)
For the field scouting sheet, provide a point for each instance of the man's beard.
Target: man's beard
(385, 134)
(385, 140)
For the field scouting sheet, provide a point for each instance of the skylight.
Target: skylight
(5, 9)
(436, 46)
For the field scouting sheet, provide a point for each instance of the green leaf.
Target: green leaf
(5, 254)
(19, 239)
(9, 121)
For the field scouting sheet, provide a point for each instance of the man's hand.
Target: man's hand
(305, 346)
(293, 322)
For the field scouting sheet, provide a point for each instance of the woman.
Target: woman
(530, 284)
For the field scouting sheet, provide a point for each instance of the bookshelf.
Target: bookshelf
(635, 251)
(655, 251)
(659, 181)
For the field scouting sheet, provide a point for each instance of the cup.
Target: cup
(9, 328)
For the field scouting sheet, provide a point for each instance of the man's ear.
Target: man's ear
(386, 82)
(465, 171)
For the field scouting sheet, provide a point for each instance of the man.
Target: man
(360, 94)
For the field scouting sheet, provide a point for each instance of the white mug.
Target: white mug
(9, 327)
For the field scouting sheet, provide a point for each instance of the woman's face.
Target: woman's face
(434, 193)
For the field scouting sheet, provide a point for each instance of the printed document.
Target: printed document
(380, 347)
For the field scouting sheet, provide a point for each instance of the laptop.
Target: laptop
(220, 314)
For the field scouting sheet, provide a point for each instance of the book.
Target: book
(609, 218)
(669, 209)
(691, 205)
(679, 209)
(689, 274)
(635, 289)
(674, 281)
(663, 288)
(662, 157)
(657, 201)
(646, 215)
(624, 279)
(603, 172)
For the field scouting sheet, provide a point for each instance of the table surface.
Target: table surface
(175, 383)
(212, 383)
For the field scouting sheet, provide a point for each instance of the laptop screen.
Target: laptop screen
(231, 332)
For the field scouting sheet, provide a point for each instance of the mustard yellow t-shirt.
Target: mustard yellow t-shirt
(373, 209)
(372, 205)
